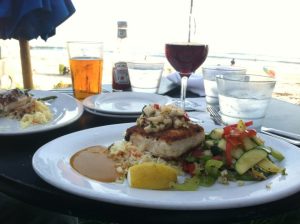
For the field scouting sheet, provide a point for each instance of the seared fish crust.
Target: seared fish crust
(169, 143)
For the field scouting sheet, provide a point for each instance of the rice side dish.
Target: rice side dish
(41, 115)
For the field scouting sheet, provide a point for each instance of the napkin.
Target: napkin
(195, 82)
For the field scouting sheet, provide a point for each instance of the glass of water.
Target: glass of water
(145, 76)
(210, 84)
(244, 97)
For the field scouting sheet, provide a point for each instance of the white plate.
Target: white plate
(96, 112)
(65, 110)
(51, 163)
(123, 102)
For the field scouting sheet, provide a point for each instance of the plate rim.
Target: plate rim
(95, 112)
(52, 127)
(231, 203)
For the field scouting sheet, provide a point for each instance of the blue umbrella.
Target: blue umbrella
(28, 19)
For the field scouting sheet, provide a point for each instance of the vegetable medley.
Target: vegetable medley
(232, 153)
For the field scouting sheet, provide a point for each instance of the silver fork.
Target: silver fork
(215, 116)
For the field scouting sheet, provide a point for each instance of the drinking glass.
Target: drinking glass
(86, 64)
(145, 76)
(185, 58)
(210, 84)
(244, 97)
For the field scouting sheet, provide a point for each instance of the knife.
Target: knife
(292, 141)
(286, 134)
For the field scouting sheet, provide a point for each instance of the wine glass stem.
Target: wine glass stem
(184, 80)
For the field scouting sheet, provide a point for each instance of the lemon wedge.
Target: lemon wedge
(150, 175)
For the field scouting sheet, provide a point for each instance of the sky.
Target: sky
(268, 27)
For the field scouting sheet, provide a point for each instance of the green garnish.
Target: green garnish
(47, 98)
(190, 184)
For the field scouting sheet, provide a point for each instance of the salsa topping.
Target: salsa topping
(155, 118)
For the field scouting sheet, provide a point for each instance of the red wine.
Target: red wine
(186, 57)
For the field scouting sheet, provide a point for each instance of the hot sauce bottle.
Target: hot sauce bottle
(120, 77)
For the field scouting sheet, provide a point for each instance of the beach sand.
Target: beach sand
(289, 92)
(288, 88)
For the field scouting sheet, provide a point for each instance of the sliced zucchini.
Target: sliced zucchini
(273, 152)
(268, 166)
(277, 155)
(249, 159)
(222, 144)
(248, 143)
(213, 163)
(258, 140)
(217, 133)
(237, 153)
(266, 148)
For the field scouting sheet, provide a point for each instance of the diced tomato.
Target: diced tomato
(186, 117)
(218, 157)
(239, 130)
(156, 106)
(251, 132)
(247, 123)
(235, 132)
(234, 141)
(197, 153)
(227, 130)
(189, 168)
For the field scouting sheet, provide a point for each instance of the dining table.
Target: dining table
(19, 180)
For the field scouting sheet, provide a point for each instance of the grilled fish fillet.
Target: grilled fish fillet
(10, 100)
(168, 144)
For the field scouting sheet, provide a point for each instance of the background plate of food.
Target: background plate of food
(25, 112)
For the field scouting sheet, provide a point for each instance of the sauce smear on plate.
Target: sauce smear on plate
(94, 163)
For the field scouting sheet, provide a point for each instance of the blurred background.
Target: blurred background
(258, 34)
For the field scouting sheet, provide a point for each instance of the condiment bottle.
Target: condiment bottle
(120, 77)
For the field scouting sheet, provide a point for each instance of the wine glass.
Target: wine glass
(185, 57)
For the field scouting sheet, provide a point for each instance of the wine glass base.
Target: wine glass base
(189, 105)
(197, 120)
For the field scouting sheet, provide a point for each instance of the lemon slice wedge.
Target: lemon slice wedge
(150, 175)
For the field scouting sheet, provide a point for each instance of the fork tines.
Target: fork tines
(214, 114)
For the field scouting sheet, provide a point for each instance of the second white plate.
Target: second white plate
(96, 112)
(123, 102)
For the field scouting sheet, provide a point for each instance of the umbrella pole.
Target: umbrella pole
(26, 64)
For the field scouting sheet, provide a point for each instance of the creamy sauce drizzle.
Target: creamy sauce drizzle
(94, 163)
